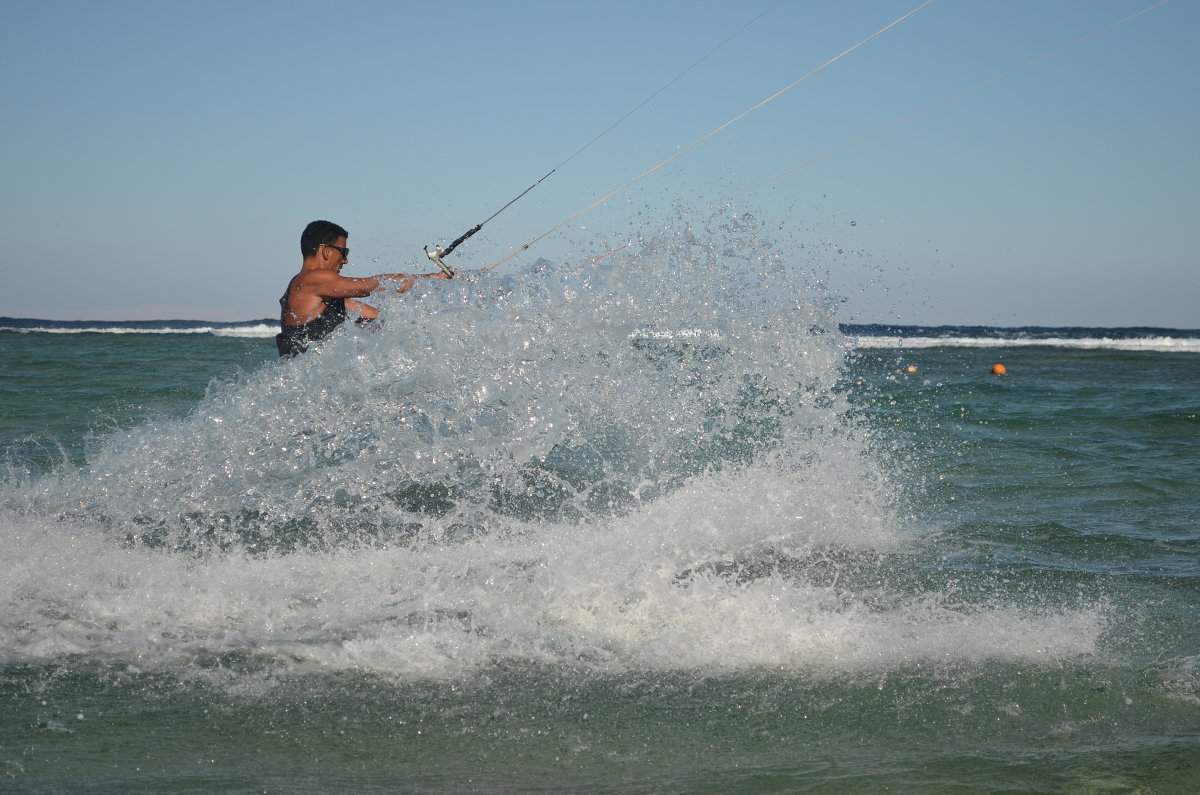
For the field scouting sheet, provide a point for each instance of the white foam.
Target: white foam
(1150, 344)
(256, 330)
(557, 598)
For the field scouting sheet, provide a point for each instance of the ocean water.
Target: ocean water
(653, 523)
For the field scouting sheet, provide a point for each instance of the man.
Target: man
(318, 297)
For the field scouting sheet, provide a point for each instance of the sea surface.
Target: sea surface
(655, 524)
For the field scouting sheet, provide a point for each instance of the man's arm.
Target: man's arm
(351, 288)
(365, 311)
(327, 284)
(409, 280)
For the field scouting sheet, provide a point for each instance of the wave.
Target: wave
(1138, 339)
(1153, 344)
(263, 327)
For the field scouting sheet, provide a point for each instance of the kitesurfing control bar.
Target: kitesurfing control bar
(441, 251)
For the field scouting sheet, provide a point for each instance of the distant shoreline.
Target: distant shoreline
(864, 335)
(851, 329)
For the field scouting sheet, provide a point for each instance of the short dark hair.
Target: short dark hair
(318, 233)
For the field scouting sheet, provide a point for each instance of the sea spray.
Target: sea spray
(559, 393)
(645, 462)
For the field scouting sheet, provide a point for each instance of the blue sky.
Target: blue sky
(161, 158)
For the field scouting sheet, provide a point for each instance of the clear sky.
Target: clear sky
(161, 158)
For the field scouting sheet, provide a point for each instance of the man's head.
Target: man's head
(320, 233)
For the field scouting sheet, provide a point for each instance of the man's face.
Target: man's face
(338, 256)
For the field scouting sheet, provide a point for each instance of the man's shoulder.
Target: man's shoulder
(310, 277)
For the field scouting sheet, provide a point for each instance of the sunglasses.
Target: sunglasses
(345, 252)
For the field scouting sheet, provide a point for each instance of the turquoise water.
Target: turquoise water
(62, 392)
(548, 533)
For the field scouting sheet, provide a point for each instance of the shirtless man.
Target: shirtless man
(318, 297)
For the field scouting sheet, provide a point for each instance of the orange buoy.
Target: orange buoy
(999, 369)
(912, 368)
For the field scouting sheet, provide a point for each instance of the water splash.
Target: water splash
(627, 462)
